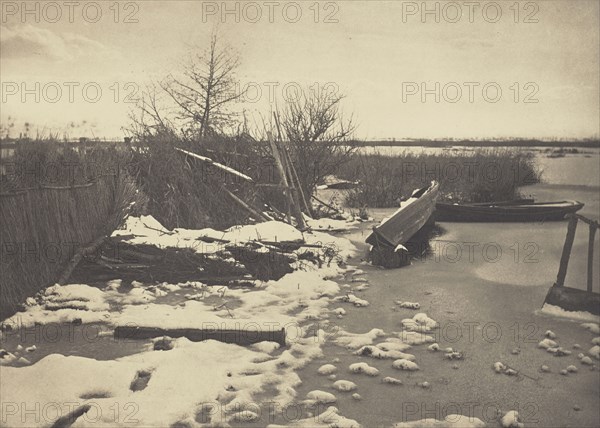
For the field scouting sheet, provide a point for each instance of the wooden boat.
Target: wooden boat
(412, 215)
(507, 211)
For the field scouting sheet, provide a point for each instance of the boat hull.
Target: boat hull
(407, 220)
(528, 212)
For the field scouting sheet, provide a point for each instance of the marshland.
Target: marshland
(245, 226)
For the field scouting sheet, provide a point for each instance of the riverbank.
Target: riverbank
(488, 309)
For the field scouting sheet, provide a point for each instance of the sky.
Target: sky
(407, 69)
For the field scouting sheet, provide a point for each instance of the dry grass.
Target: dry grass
(54, 201)
(479, 176)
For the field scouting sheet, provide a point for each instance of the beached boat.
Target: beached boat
(412, 215)
(509, 211)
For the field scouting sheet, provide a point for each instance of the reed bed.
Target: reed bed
(54, 201)
(482, 175)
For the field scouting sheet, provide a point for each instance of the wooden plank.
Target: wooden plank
(238, 336)
(216, 164)
(573, 299)
(590, 261)
(593, 223)
(566, 254)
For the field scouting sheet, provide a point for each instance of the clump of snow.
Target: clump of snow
(547, 343)
(6, 357)
(454, 355)
(450, 421)
(23, 361)
(564, 372)
(499, 367)
(320, 397)
(550, 334)
(63, 304)
(146, 230)
(424, 385)
(544, 368)
(420, 323)
(414, 338)
(356, 396)
(595, 352)
(591, 326)
(344, 385)
(339, 311)
(559, 351)
(511, 420)
(356, 340)
(391, 380)
(266, 347)
(330, 417)
(244, 416)
(587, 361)
(408, 305)
(434, 347)
(403, 364)
(572, 369)
(557, 311)
(393, 344)
(375, 352)
(363, 368)
(113, 284)
(596, 341)
(351, 298)
(327, 369)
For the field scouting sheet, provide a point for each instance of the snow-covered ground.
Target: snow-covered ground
(186, 384)
(435, 344)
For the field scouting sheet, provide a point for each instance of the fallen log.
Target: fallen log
(93, 247)
(240, 336)
(573, 299)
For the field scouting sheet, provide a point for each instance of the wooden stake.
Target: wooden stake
(297, 183)
(282, 173)
(566, 254)
(245, 205)
(590, 261)
(294, 193)
(62, 280)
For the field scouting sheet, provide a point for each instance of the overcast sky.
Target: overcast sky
(380, 54)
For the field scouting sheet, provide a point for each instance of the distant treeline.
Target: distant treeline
(478, 143)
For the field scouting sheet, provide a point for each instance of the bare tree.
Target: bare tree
(149, 118)
(206, 89)
(316, 130)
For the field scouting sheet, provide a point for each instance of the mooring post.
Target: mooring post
(566, 254)
(590, 263)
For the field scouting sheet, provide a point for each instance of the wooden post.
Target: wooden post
(244, 205)
(283, 175)
(590, 262)
(297, 184)
(566, 254)
(294, 193)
